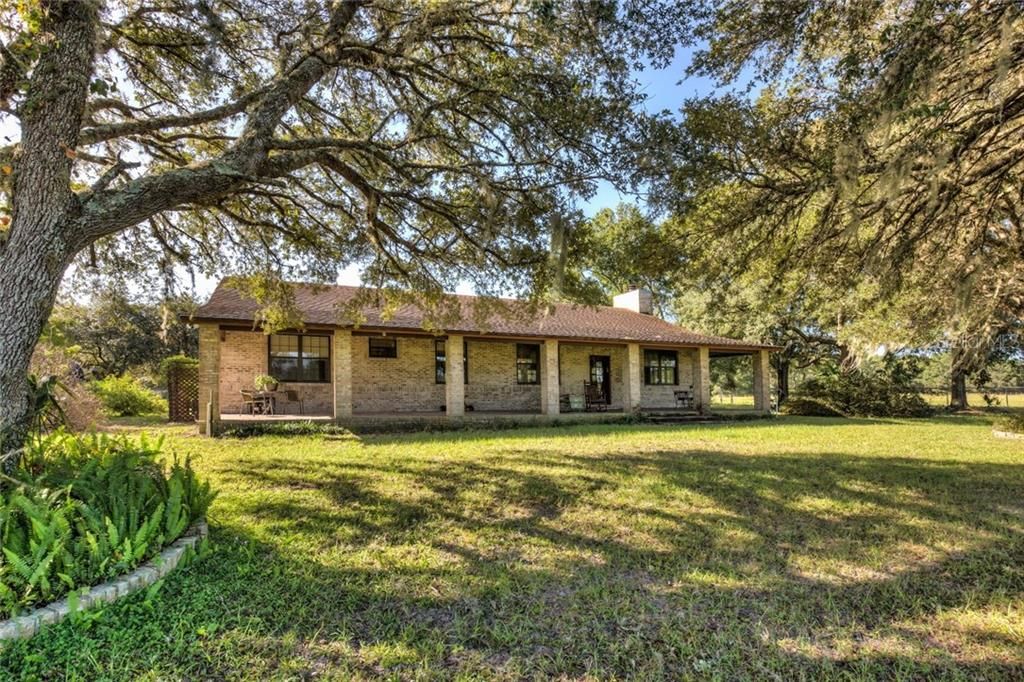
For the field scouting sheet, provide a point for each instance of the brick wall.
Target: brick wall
(402, 384)
(664, 396)
(492, 379)
(243, 356)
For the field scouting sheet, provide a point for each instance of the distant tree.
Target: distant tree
(432, 141)
(699, 284)
(624, 249)
(112, 334)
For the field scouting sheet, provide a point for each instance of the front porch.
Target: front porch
(363, 378)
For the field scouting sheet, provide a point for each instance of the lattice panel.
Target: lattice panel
(183, 394)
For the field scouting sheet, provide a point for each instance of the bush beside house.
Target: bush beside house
(126, 396)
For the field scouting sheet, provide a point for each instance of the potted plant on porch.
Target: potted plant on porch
(265, 382)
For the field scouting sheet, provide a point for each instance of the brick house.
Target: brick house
(390, 366)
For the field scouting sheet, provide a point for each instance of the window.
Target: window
(300, 357)
(661, 367)
(383, 347)
(440, 362)
(527, 363)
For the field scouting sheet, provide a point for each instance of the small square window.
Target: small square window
(383, 347)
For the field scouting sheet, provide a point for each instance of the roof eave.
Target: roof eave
(419, 331)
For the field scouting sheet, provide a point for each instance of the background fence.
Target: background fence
(997, 396)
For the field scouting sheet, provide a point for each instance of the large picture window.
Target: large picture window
(441, 362)
(527, 363)
(661, 367)
(300, 357)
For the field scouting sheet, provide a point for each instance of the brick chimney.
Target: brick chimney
(638, 300)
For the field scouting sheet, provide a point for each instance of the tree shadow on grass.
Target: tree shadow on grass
(539, 564)
(754, 544)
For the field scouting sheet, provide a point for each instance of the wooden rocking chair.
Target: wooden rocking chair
(593, 394)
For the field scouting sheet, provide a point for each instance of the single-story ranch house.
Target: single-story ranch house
(569, 358)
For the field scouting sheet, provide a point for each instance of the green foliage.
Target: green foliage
(620, 249)
(46, 409)
(1013, 422)
(883, 389)
(302, 428)
(114, 334)
(803, 406)
(85, 509)
(811, 176)
(169, 364)
(515, 555)
(125, 396)
(262, 381)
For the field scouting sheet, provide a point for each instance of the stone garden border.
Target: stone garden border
(145, 575)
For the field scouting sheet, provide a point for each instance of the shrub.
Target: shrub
(1013, 423)
(84, 509)
(264, 381)
(125, 396)
(884, 389)
(808, 407)
(303, 428)
(168, 364)
(79, 408)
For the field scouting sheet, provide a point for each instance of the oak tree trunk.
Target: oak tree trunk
(782, 379)
(958, 390)
(958, 377)
(40, 243)
(32, 264)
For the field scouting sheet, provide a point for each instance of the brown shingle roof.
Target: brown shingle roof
(320, 304)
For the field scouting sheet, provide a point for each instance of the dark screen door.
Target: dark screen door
(601, 374)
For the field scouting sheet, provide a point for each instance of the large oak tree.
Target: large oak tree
(884, 155)
(428, 141)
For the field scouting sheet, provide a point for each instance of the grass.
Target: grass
(791, 549)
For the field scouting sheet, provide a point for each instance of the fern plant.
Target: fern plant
(87, 509)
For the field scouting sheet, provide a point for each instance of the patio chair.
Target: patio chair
(293, 396)
(594, 396)
(248, 401)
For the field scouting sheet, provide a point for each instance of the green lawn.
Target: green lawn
(791, 549)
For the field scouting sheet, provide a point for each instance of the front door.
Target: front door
(601, 374)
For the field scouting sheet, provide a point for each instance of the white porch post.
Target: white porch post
(454, 379)
(762, 381)
(209, 378)
(702, 379)
(633, 378)
(549, 386)
(342, 376)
